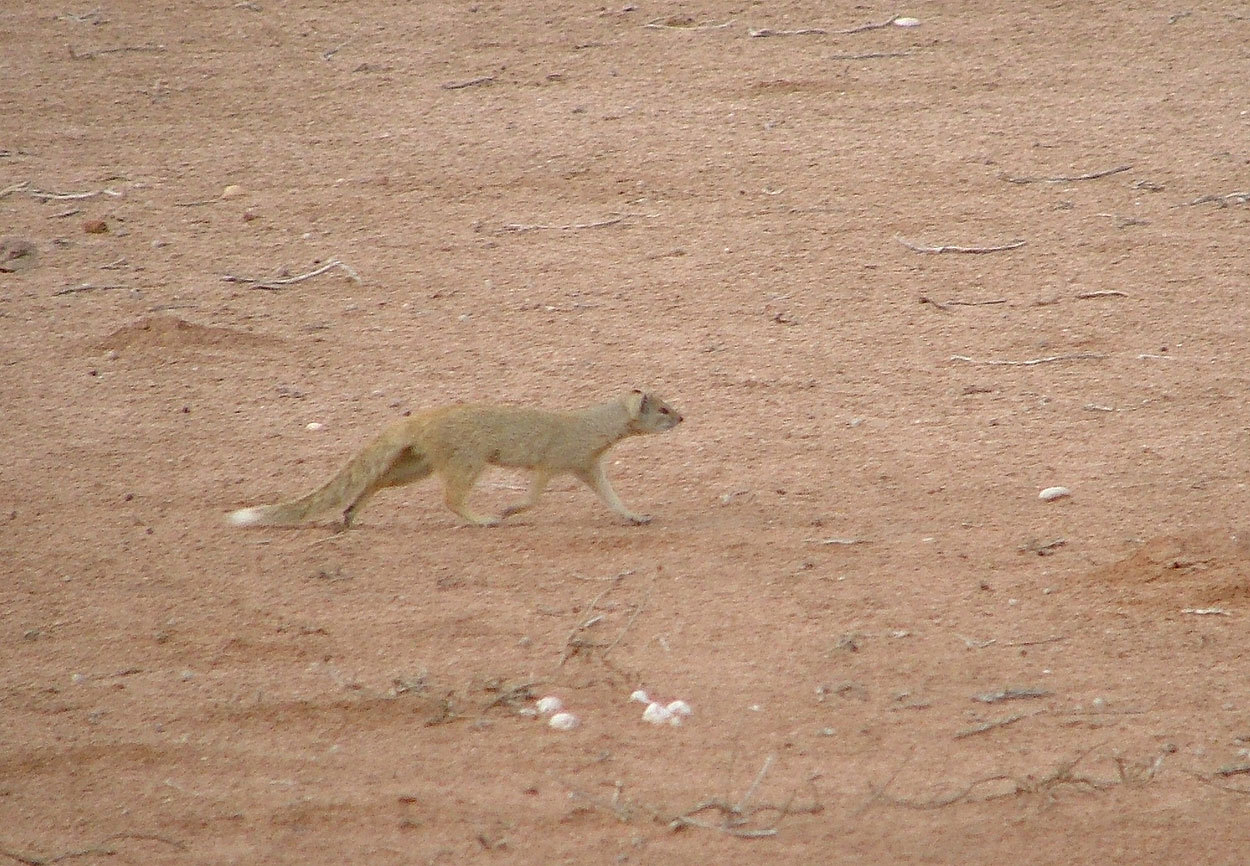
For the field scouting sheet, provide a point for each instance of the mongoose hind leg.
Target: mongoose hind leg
(458, 480)
(404, 469)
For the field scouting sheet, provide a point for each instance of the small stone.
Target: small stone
(564, 721)
(550, 705)
(1052, 493)
(314, 426)
(95, 227)
(657, 714)
(232, 191)
(906, 22)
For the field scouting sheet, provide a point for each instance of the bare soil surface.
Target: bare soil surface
(898, 278)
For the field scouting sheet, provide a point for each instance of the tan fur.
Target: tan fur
(458, 442)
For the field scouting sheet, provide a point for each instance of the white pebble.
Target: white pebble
(315, 426)
(564, 721)
(550, 704)
(232, 191)
(906, 22)
(656, 714)
(1052, 493)
(680, 708)
(640, 697)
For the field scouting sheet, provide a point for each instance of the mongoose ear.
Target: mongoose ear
(636, 403)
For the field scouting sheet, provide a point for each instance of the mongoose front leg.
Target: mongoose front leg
(538, 483)
(597, 481)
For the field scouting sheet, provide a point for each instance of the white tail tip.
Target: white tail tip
(246, 517)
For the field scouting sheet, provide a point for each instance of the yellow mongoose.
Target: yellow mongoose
(458, 442)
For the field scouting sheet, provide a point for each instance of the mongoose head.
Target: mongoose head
(650, 414)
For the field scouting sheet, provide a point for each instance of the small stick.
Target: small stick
(472, 82)
(863, 28)
(802, 31)
(274, 284)
(1010, 695)
(91, 55)
(663, 24)
(989, 726)
(1081, 356)
(1223, 200)
(871, 55)
(86, 287)
(68, 196)
(759, 777)
(17, 187)
(988, 303)
(637, 613)
(1104, 293)
(949, 248)
(537, 227)
(945, 306)
(1093, 175)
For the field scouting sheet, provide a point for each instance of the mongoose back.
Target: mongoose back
(458, 442)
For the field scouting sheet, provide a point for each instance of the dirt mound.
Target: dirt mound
(171, 332)
(1197, 569)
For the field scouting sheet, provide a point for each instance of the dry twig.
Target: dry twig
(802, 31)
(681, 22)
(472, 82)
(1032, 362)
(863, 28)
(257, 283)
(86, 287)
(871, 55)
(569, 227)
(989, 726)
(1093, 175)
(950, 248)
(1223, 200)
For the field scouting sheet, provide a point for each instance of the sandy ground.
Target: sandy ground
(899, 280)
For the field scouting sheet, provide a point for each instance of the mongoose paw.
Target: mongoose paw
(638, 519)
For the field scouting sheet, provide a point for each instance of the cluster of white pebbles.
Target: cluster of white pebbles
(552, 709)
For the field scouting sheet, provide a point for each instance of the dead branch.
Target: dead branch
(1105, 293)
(86, 287)
(1010, 695)
(96, 851)
(123, 49)
(864, 28)
(682, 22)
(1093, 175)
(1062, 775)
(257, 283)
(759, 777)
(802, 31)
(569, 227)
(1222, 200)
(1080, 356)
(45, 195)
(948, 248)
(989, 726)
(17, 187)
(871, 55)
(472, 82)
(574, 643)
(634, 616)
